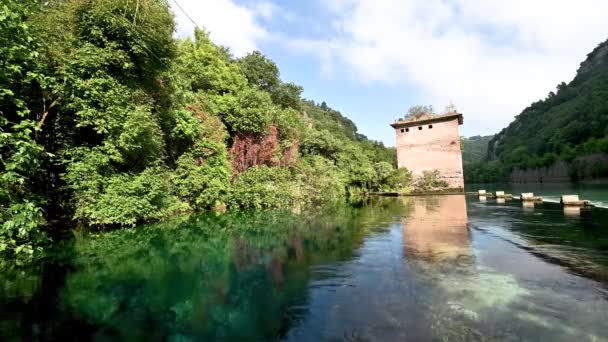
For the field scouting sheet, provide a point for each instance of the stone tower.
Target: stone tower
(431, 142)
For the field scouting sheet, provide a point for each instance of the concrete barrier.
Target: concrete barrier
(529, 197)
(501, 194)
(481, 192)
(574, 201)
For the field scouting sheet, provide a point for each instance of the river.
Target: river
(383, 269)
(551, 192)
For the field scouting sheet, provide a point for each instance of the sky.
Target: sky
(374, 59)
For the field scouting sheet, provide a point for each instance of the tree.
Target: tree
(111, 57)
(21, 203)
(201, 67)
(106, 121)
(417, 111)
(287, 95)
(248, 111)
(260, 71)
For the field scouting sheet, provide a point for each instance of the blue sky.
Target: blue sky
(373, 59)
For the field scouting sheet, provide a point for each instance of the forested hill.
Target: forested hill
(107, 121)
(475, 148)
(567, 125)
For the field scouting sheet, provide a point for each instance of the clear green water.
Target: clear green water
(416, 268)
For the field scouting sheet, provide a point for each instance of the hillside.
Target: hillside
(475, 148)
(110, 121)
(568, 125)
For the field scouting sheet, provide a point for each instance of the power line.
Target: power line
(186, 14)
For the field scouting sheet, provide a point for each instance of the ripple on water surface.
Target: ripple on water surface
(415, 268)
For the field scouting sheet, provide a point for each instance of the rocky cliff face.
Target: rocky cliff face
(581, 169)
(559, 172)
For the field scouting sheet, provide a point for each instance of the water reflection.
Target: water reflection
(385, 269)
(436, 228)
(528, 204)
(572, 211)
(234, 276)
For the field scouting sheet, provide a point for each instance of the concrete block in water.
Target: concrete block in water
(574, 201)
(570, 199)
(501, 194)
(529, 197)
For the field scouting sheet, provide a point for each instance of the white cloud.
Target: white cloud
(490, 57)
(230, 24)
(266, 9)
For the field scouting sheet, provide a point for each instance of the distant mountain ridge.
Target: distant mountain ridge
(475, 148)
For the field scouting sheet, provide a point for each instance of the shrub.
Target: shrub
(249, 111)
(20, 233)
(122, 199)
(262, 187)
(429, 181)
(400, 180)
(319, 181)
(202, 177)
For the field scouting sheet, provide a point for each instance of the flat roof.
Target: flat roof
(427, 119)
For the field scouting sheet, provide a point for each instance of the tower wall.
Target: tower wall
(433, 148)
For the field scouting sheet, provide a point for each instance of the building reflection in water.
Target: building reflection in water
(435, 228)
(572, 211)
(528, 207)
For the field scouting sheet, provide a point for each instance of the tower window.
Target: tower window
(402, 130)
(407, 129)
(420, 128)
(430, 126)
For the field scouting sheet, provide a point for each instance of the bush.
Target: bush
(249, 111)
(319, 181)
(20, 233)
(123, 199)
(429, 181)
(262, 187)
(202, 177)
(400, 180)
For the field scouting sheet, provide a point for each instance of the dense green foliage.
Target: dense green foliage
(107, 120)
(474, 159)
(429, 181)
(569, 124)
(475, 148)
(21, 201)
